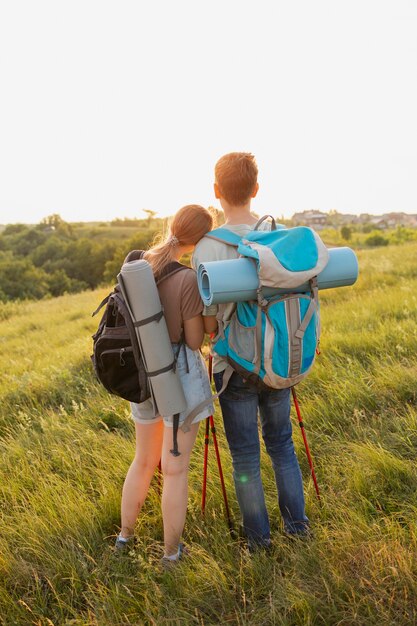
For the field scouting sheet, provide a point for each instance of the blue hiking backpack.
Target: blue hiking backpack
(272, 341)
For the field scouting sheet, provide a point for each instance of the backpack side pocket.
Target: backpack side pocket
(241, 334)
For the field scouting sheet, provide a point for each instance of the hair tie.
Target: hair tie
(173, 241)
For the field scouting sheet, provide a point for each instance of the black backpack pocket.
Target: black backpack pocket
(115, 366)
(119, 373)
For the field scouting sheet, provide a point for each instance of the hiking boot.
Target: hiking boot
(168, 564)
(302, 534)
(122, 547)
(259, 546)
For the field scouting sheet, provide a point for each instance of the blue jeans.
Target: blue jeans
(239, 404)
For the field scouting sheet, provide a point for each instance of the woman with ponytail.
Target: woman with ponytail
(183, 308)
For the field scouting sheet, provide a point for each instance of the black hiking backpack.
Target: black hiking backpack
(117, 359)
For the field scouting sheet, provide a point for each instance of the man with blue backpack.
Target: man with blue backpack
(246, 393)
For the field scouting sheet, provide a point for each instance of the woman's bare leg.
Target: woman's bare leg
(149, 439)
(175, 489)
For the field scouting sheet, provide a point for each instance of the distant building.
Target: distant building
(318, 219)
(412, 220)
(315, 219)
(348, 218)
(377, 220)
(392, 220)
(400, 219)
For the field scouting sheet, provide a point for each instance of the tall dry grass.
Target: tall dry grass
(66, 445)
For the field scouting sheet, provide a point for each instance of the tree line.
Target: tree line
(55, 257)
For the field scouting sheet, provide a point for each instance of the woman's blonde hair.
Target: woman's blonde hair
(188, 226)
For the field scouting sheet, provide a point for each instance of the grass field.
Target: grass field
(66, 445)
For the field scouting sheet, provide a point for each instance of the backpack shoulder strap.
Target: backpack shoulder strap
(225, 236)
(169, 270)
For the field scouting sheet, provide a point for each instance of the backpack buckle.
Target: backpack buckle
(262, 301)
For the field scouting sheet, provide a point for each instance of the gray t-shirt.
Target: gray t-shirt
(209, 249)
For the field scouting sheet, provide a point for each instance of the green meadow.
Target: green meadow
(66, 445)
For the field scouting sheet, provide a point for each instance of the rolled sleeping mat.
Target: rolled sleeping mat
(138, 285)
(236, 280)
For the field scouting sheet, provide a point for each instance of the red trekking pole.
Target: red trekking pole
(206, 448)
(159, 475)
(301, 424)
(210, 423)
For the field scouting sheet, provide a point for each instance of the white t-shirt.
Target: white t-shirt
(209, 249)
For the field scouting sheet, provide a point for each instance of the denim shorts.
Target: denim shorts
(195, 383)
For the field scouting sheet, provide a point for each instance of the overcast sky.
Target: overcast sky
(107, 108)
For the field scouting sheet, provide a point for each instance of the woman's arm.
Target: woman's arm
(194, 332)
